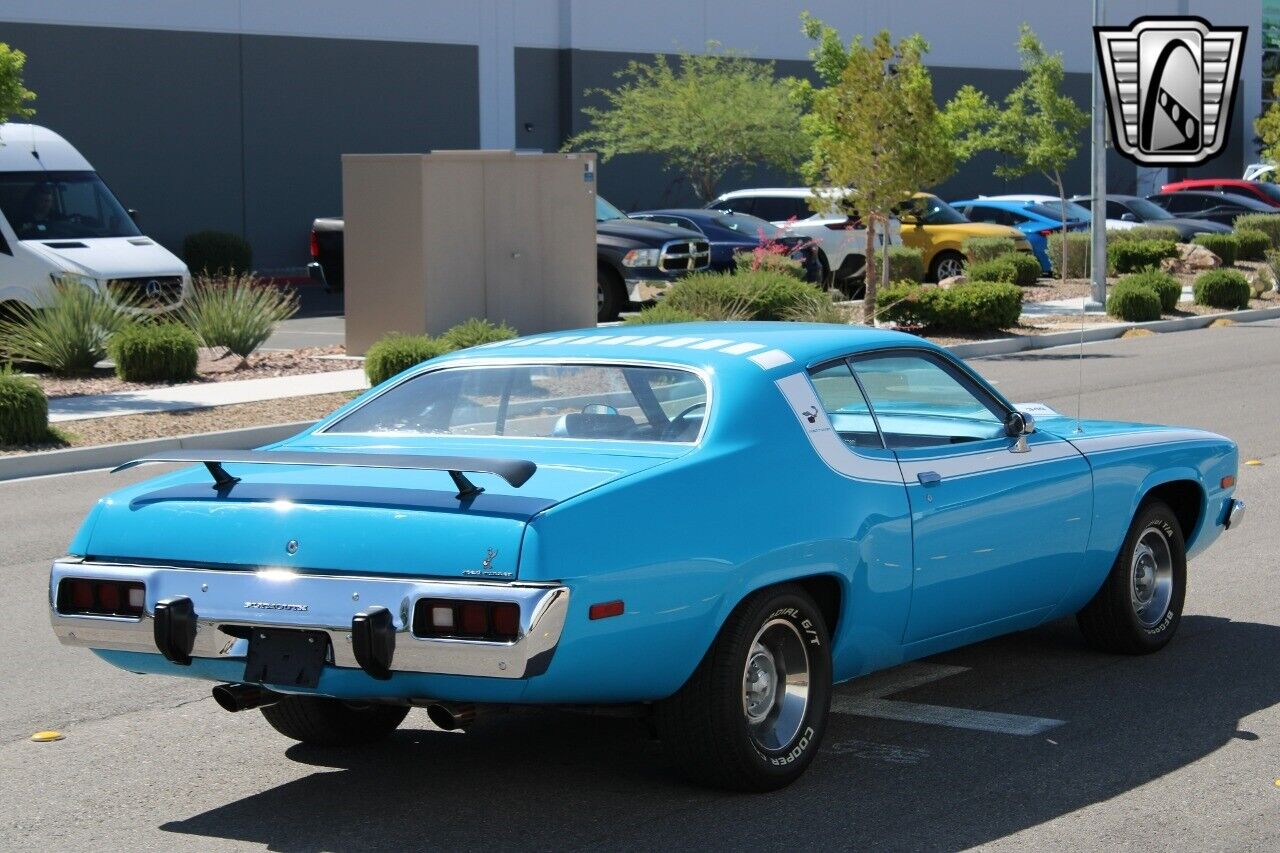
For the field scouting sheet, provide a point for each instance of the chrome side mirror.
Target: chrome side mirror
(1019, 425)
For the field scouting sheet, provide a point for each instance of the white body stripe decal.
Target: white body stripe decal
(809, 411)
(649, 341)
(618, 339)
(1139, 438)
(971, 464)
(711, 344)
(741, 349)
(770, 359)
(679, 342)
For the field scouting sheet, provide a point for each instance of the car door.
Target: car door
(999, 524)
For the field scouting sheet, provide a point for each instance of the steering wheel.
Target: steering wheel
(678, 423)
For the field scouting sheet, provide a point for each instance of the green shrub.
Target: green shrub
(1133, 301)
(1144, 232)
(1222, 289)
(979, 249)
(979, 306)
(1077, 258)
(24, 411)
(1132, 255)
(750, 295)
(906, 264)
(1267, 223)
(155, 352)
(396, 352)
(996, 270)
(68, 335)
(1251, 245)
(772, 257)
(475, 332)
(237, 313)
(771, 295)
(216, 253)
(1024, 263)
(1163, 284)
(661, 313)
(1222, 245)
(818, 307)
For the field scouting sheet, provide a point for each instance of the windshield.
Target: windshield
(752, 225)
(62, 206)
(593, 402)
(1147, 211)
(606, 211)
(931, 210)
(1053, 210)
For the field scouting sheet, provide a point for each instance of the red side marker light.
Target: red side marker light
(605, 609)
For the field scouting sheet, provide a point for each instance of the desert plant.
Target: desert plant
(1028, 268)
(996, 270)
(1133, 301)
(817, 307)
(979, 249)
(154, 352)
(216, 253)
(1222, 289)
(1133, 255)
(661, 313)
(1163, 284)
(473, 333)
(396, 352)
(1144, 232)
(1251, 245)
(1222, 245)
(237, 313)
(770, 256)
(906, 264)
(979, 306)
(24, 411)
(754, 295)
(1267, 223)
(1076, 262)
(68, 335)
(771, 295)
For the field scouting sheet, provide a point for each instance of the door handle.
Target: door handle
(929, 478)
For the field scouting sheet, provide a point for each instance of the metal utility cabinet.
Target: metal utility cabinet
(435, 239)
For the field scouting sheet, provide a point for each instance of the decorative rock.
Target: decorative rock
(1261, 280)
(952, 281)
(1192, 258)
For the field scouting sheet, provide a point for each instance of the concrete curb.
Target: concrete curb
(110, 455)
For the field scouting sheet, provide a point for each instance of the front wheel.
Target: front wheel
(1139, 607)
(752, 715)
(322, 721)
(611, 295)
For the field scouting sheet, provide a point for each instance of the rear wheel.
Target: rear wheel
(752, 715)
(611, 295)
(947, 264)
(1139, 607)
(322, 721)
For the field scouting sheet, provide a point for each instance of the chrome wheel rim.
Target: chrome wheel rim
(1151, 577)
(775, 685)
(949, 267)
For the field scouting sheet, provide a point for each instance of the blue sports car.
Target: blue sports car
(732, 233)
(1036, 220)
(708, 523)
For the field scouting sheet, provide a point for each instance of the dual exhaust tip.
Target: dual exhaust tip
(447, 716)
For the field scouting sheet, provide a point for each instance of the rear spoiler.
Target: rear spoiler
(514, 471)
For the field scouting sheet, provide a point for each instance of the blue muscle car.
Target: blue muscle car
(708, 523)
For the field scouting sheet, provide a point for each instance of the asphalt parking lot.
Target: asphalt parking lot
(1030, 741)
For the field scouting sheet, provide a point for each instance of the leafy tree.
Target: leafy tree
(1038, 129)
(14, 97)
(1267, 127)
(875, 129)
(705, 115)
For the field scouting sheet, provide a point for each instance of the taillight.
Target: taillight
(470, 620)
(315, 246)
(89, 597)
(1049, 232)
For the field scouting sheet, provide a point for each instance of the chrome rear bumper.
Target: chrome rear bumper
(283, 599)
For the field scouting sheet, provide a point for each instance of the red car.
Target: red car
(1260, 190)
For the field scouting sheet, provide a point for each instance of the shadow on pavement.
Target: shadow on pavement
(547, 780)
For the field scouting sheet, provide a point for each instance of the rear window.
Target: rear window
(567, 401)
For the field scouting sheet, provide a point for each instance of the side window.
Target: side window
(780, 208)
(919, 402)
(845, 405)
(980, 213)
(1115, 210)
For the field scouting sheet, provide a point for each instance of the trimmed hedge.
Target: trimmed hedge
(906, 264)
(1077, 259)
(396, 352)
(216, 253)
(1028, 268)
(1222, 245)
(1144, 232)
(980, 306)
(24, 411)
(979, 249)
(1133, 301)
(750, 295)
(155, 352)
(1133, 255)
(473, 333)
(1165, 285)
(1222, 289)
(1251, 244)
(661, 313)
(1267, 223)
(995, 270)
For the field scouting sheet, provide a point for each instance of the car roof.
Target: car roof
(18, 141)
(1207, 182)
(1036, 197)
(691, 212)
(1008, 204)
(788, 192)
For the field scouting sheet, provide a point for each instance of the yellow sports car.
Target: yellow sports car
(938, 230)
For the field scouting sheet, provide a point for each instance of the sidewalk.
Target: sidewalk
(174, 398)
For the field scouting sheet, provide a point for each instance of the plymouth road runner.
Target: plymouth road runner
(708, 523)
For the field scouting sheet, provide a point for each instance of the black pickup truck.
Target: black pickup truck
(635, 259)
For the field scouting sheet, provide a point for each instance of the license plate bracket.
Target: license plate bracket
(286, 656)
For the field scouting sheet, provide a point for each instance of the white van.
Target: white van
(59, 221)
